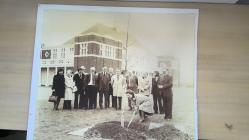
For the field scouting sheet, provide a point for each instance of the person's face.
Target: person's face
(145, 75)
(69, 73)
(111, 71)
(104, 69)
(154, 74)
(92, 71)
(61, 73)
(133, 72)
(129, 73)
(81, 71)
(118, 72)
(166, 72)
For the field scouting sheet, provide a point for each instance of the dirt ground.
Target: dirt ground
(136, 131)
(56, 125)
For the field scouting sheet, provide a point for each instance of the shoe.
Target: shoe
(167, 119)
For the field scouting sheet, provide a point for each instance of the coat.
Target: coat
(118, 85)
(144, 103)
(69, 88)
(59, 85)
(79, 82)
(132, 83)
(154, 88)
(167, 83)
(103, 81)
(88, 76)
(144, 86)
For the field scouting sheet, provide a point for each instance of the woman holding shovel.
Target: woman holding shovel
(143, 100)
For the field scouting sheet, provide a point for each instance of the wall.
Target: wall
(223, 70)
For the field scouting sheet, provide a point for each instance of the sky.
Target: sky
(163, 34)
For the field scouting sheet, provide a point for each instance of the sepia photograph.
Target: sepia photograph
(117, 73)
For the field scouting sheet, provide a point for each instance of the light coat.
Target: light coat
(119, 85)
(144, 86)
(144, 103)
(69, 83)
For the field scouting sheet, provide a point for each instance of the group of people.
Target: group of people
(145, 94)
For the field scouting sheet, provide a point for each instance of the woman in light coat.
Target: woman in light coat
(143, 100)
(70, 85)
(118, 82)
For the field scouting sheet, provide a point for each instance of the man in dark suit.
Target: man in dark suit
(91, 89)
(165, 84)
(79, 79)
(157, 98)
(103, 87)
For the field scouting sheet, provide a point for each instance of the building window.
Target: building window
(111, 52)
(114, 52)
(60, 61)
(54, 53)
(63, 52)
(108, 51)
(54, 56)
(71, 49)
(118, 54)
(93, 48)
(83, 49)
(52, 62)
(101, 50)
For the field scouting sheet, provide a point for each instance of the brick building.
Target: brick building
(96, 47)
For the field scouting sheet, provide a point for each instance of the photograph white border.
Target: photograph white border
(37, 49)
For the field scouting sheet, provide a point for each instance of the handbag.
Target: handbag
(52, 98)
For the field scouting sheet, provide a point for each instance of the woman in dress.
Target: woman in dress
(69, 83)
(58, 87)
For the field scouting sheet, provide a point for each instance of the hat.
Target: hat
(82, 67)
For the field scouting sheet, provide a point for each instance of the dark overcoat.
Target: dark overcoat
(167, 83)
(80, 82)
(59, 85)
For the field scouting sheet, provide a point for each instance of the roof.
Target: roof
(103, 30)
(109, 32)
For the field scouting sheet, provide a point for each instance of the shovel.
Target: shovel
(132, 117)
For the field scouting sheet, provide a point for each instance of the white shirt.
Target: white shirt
(91, 79)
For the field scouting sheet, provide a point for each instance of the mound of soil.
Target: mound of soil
(136, 131)
(113, 130)
(167, 132)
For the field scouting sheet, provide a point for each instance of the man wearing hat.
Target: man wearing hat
(79, 79)
(91, 89)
